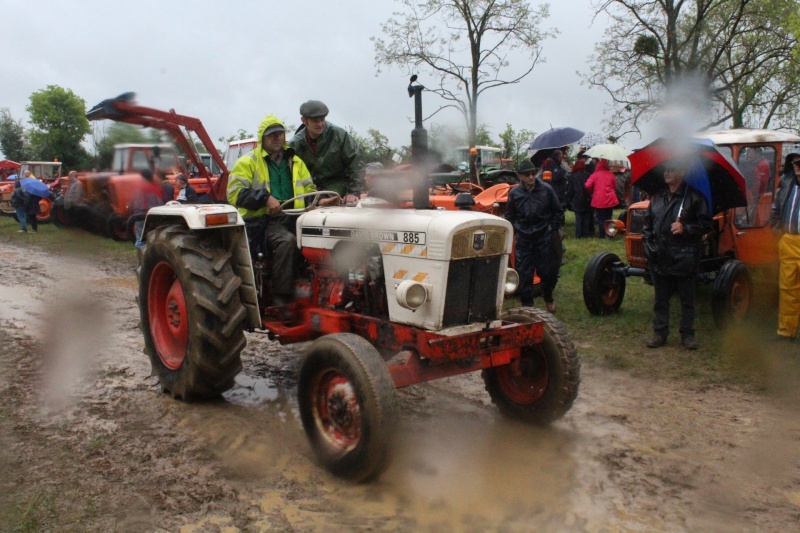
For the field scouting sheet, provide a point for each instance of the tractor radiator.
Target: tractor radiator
(471, 291)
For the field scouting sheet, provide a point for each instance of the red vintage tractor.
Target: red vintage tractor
(390, 298)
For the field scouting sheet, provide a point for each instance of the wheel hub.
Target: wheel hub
(338, 412)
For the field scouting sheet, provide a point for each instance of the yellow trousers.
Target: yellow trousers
(789, 285)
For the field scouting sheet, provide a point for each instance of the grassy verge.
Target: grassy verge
(66, 241)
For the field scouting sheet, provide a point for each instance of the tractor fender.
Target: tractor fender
(195, 218)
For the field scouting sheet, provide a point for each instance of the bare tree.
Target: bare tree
(740, 50)
(465, 45)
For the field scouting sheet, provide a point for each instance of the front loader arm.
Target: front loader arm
(123, 109)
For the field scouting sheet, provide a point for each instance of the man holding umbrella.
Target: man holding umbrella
(676, 221)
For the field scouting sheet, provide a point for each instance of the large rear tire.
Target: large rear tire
(58, 213)
(191, 314)
(603, 289)
(348, 405)
(543, 386)
(732, 294)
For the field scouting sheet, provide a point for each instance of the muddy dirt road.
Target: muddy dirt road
(88, 442)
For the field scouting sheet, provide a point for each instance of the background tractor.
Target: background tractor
(739, 255)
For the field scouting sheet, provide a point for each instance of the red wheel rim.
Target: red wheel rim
(609, 292)
(337, 412)
(166, 307)
(527, 383)
(740, 298)
(44, 208)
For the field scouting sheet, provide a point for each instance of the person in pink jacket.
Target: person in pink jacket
(602, 185)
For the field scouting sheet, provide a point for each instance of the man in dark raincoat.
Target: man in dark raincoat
(676, 221)
(536, 214)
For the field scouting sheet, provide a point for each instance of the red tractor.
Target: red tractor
(390, 298)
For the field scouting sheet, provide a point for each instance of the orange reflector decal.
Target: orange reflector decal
(400, 274)
(217, 219)
(420, 277)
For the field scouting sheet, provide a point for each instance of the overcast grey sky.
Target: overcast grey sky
(231, 63)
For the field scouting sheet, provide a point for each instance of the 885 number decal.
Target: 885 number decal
(413, 237)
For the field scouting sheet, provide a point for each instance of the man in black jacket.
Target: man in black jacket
(676, 221)
(535, 212)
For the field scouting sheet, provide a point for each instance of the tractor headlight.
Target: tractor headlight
(611, 230)
(411, 294)
(512, 281)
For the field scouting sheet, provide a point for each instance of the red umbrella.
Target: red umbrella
(7, 164)
(708, 170)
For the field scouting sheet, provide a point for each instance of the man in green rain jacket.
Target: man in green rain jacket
(332, 154)
(258, 184)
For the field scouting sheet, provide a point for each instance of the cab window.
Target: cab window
(757, 164)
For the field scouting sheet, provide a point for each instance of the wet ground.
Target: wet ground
(90, 444)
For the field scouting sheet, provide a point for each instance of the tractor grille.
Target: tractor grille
(636, 221)
(637, 250)
(478, 242)
(471, 291)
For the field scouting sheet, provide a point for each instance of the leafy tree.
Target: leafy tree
(737, 52)
(464, 45)
(374, 147)
(240, 135)
(59, 124)
(13, 141)
(483, 137)
(515, 143)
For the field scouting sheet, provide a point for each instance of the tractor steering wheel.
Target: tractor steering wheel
(317, 195)
(464, 186)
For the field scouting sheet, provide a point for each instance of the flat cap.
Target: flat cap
(313, 109)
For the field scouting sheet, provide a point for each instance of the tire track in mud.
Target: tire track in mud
(113, 452)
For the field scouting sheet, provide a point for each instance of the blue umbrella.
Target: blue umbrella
(35, 187)
(556, 138)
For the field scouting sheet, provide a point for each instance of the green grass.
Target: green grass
(66, 241)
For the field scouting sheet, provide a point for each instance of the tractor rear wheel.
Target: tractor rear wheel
(191, 314)
(58, 213)
(543, 385)
(731, 295)
(603, 289)
(348, 405)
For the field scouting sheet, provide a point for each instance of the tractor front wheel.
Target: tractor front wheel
(348, 405)
(58, 213)
(191, 313)
(731, 295)
(603, 289)
(116, 228)
(542, 385)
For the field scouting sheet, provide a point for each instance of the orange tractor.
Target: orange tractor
(739, 254)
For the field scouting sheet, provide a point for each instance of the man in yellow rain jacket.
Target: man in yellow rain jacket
(258, 184)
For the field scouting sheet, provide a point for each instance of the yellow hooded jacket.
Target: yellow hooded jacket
(248, 184)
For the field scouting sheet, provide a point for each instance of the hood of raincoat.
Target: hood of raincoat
(269, 120)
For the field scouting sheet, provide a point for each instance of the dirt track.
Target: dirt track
(88, 440)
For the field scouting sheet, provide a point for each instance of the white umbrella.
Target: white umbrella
(612, 152)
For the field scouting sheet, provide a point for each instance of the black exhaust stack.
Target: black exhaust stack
(419, 147)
